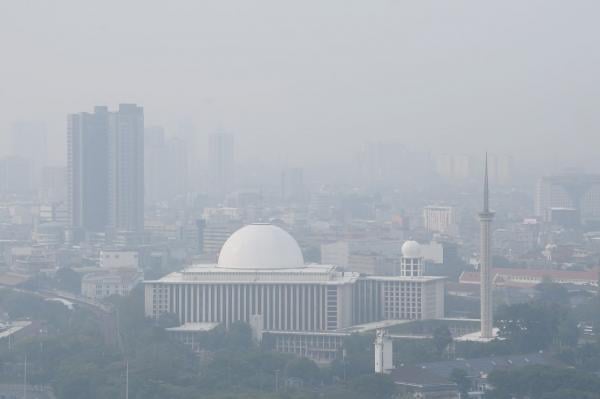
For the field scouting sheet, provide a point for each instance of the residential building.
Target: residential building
(106, 170)
(440, 219)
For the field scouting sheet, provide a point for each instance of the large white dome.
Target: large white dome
(261, 246)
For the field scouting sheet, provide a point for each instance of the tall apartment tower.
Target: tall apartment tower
(106, 170)
(87, 170)
(221, 163)
(126, 169)
(485, 260)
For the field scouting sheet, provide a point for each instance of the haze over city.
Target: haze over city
(311, 81)
(299, 200)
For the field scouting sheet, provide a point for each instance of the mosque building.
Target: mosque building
(261, 278)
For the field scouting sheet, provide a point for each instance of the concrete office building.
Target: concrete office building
(440, 219)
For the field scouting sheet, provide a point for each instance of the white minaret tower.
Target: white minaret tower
(485, 261)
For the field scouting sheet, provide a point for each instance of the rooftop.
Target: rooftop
(193, 327)
(214, 274)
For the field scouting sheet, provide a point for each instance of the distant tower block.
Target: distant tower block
(485, 261)
(412, 261)
(384, 351)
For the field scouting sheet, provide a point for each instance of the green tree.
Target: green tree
(534, 326)
(551, 293)
(68, 279)
(304, 369)
(461, 379)
(542, 382)
(374, 386)
(441, 338)
(239, 336)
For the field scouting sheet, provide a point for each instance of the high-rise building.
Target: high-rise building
(126, 169)
(440, 219)
(220, 163)
(570, 191)
(87, 170)
(106, 169)
(165, 165)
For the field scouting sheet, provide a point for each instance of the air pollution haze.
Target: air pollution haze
(312, 80)
(271, 199)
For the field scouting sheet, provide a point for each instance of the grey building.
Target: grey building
(220, 163)
(126, 169)
(106, 169)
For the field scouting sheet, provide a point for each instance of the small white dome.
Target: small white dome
(261, 246)
(411, 249)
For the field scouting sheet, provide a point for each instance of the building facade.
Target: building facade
(440, 219)
(261, 275)
(105, 169)
(126, 169)
(103, 284)
(580, 192)
(87, 170)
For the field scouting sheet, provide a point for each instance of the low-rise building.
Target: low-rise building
(99, 285)
(527, 278)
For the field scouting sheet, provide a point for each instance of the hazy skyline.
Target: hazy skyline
(304, 81)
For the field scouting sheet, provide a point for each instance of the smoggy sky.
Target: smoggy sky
(303, 80)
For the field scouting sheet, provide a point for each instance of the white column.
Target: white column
(180, 302)
(280, 305)
(298, 307)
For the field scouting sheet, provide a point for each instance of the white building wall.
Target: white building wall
(119, 259)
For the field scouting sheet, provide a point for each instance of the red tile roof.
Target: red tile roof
(506, 276)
